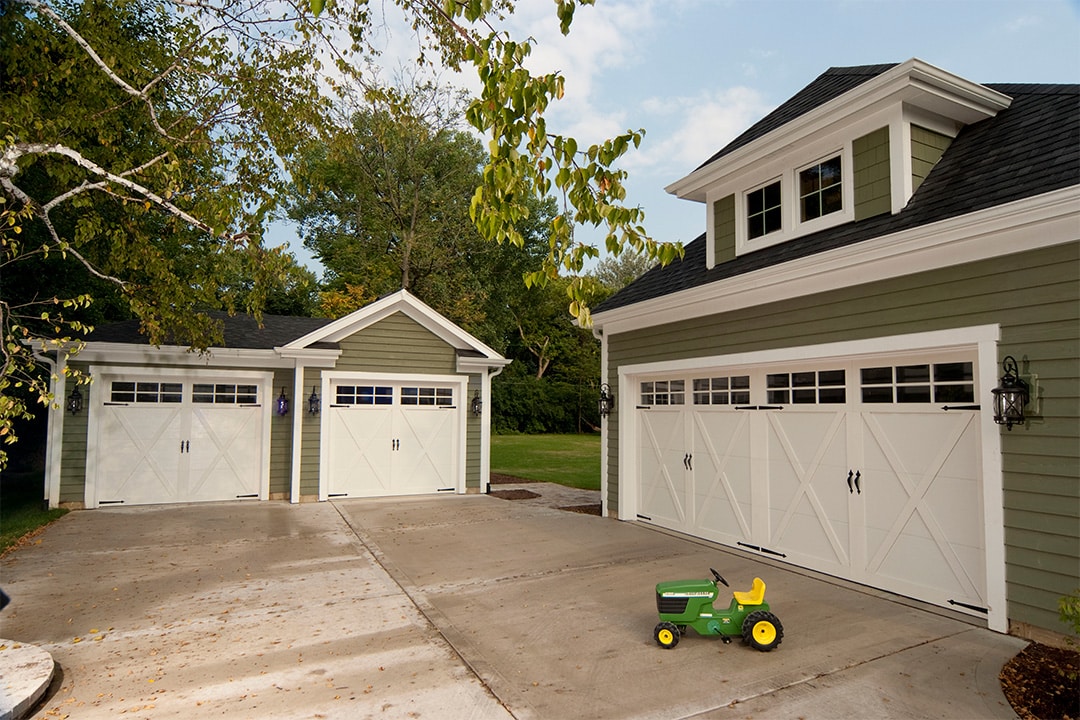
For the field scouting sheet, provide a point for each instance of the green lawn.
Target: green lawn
(21, 507)
(572, 460)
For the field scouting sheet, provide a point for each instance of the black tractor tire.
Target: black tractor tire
(666, 635)
(762, 630)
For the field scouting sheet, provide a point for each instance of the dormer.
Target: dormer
(854, 143)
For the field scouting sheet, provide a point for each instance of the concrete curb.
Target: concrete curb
(27, 671)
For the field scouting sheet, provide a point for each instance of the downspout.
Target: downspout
(54, 427)
(485, 429)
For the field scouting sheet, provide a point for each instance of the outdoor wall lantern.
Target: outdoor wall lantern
(313, 402)
(281, 407)
(607, 400)
(74, 401)
(477, 405)
(1010, 396)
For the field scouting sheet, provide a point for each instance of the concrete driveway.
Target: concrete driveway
(454, 607)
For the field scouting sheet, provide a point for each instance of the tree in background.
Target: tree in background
(147, 142)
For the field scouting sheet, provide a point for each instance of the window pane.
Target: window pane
(772, 195)
(876, 376)
(803, 379)
(777, 380)
(779, 397)
(804, 397)
(832, 395)
(832, 200)
(830, 172)
(773, 220)
(913, 373)
(953, 372)
(740, 382)
(877, 395)
(756, 226)
(755, 202)
(811, 207)
(720, 398)
(701, 384)
(809, 181)
(954, 393)
(740, 398)
(913, 394)
(831, 377)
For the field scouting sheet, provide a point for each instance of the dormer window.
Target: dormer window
(763, 211)
(820, 190)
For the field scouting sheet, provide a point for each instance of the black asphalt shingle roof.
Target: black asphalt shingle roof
(1030, 148)
(240, 331)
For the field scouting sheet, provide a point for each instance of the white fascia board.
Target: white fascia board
(401, 301)
(310, 357)
(914, 82)
(480, 365)
(1030, 224)
(137, 354)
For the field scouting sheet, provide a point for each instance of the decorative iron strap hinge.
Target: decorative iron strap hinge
(976, 608)
(644, 517)
(947, 408)
(759, 407)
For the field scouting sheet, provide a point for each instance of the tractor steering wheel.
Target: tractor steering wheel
(719, 578)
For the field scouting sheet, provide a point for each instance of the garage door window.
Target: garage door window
(663, 392)
(940, 382)
(145, 392)
(733, 390)
(364, 395)
(806, 388)
(224, 394)
(439, 396)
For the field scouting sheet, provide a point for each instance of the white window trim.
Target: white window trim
(792, 225)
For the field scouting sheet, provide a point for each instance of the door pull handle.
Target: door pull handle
(850, 489)
(690, 462)
(857, 488)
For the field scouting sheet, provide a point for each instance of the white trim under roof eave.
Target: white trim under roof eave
(138, 354)
(974, 100)
(312, 357)
(400, 301)
(1029, 224)
(477, 365)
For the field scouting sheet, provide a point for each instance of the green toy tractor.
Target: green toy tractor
(689, 603)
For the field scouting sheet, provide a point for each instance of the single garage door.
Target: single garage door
(393, 437)
(168, 440)
(865, 469)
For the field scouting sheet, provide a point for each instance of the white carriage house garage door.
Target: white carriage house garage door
(178, 439)
(392, 437)
(864, 469)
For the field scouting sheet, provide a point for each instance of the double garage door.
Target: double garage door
(867, 470)
(392, 437)
(168, 439)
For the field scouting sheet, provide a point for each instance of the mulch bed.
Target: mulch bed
(583, 509)
(1041, 683)
(515, 494)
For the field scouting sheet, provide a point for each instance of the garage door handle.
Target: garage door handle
(850, 489)
(857, 488)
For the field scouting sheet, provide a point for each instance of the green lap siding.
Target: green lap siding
(873, 188)
(927, 147)
(310, 442)
(472, 438)
(397, 344)
(724, 230)
(281, 436)
(1033, 296)
(73, 452)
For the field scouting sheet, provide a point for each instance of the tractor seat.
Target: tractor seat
(755, 596)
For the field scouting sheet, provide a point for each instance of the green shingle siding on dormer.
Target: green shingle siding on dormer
(724, 230)
(927, 147)
(873, 190)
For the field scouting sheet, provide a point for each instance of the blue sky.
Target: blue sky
(696, 73)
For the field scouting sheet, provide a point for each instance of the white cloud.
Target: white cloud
(688, 130)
